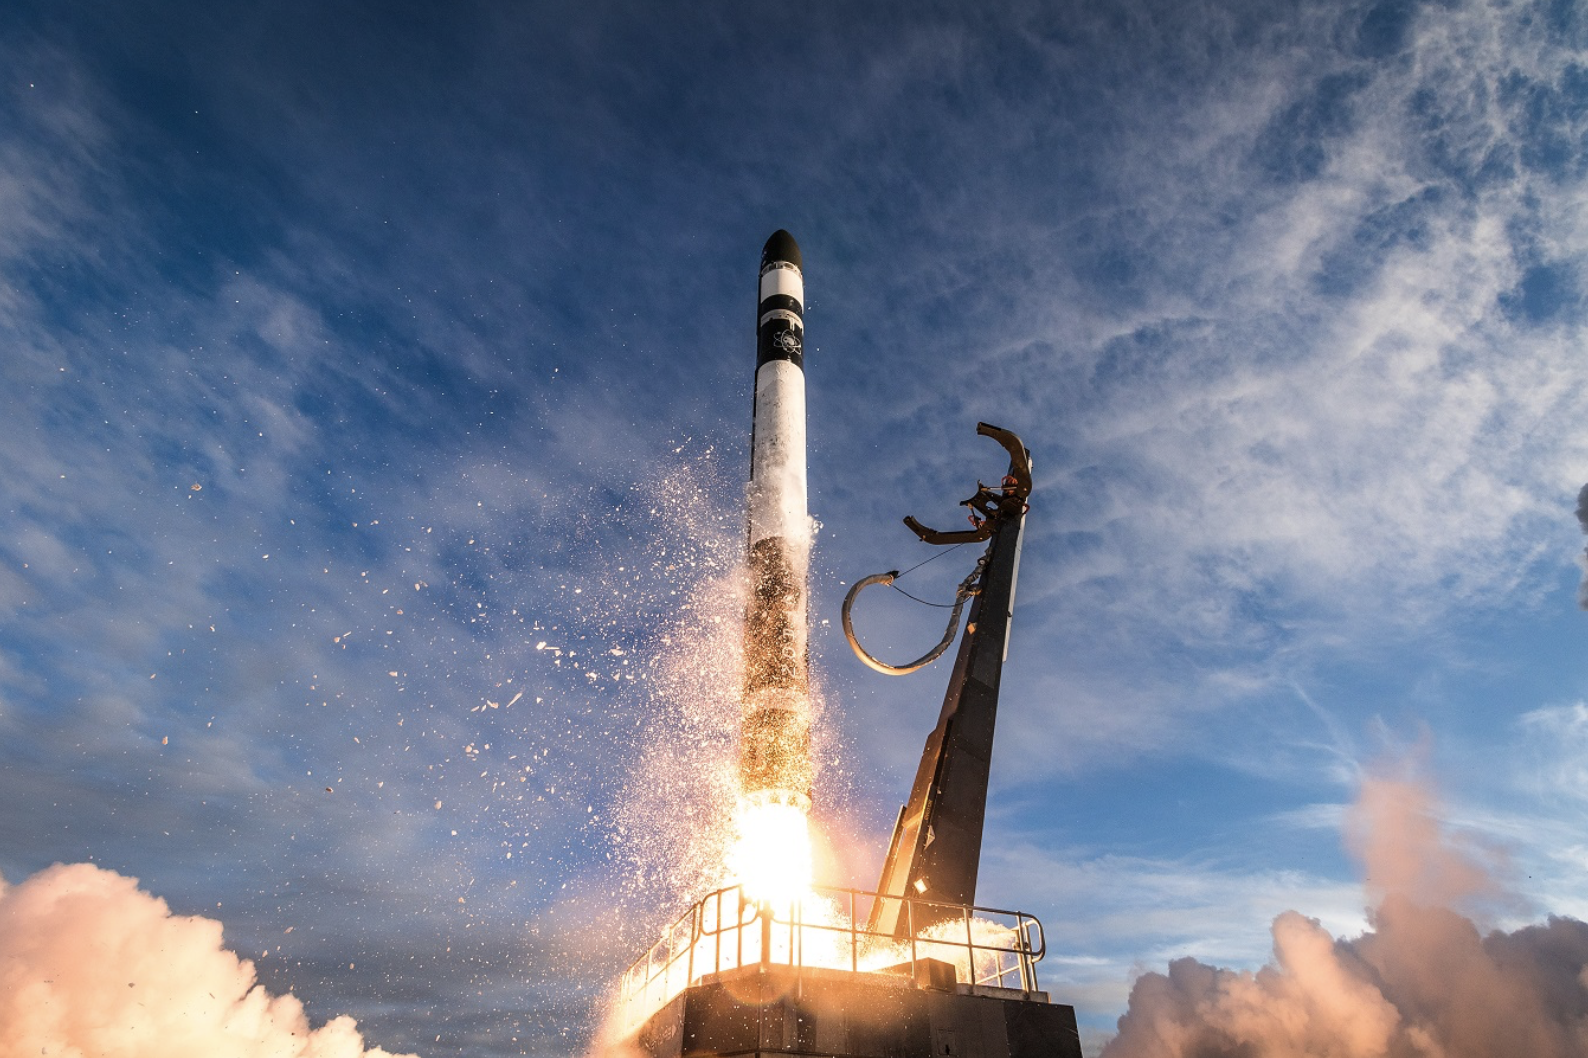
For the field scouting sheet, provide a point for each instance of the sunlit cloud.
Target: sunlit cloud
(1422, 977)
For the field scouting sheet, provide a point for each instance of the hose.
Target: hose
(967, 588)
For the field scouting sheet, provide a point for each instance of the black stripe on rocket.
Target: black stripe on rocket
(780, 319)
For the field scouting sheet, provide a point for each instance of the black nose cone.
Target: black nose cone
(781, 247)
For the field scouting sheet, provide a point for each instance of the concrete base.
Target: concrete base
(760, 1012)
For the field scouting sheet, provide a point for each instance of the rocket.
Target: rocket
(774, 757)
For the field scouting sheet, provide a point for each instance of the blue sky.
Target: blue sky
(353, 350)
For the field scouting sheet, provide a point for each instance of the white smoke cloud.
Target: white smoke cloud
(92, 965)
(1423, 982)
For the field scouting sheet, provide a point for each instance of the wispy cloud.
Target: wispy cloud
(1308, 412)
(1383, 428)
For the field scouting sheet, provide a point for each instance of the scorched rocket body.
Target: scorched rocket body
(775, 753)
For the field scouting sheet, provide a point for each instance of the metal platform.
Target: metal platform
(732, 978)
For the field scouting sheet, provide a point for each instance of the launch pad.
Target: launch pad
(732, 977)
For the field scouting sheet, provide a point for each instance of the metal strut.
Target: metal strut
(935, 851)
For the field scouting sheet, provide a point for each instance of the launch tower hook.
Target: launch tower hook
(967, 588)
(990, 508)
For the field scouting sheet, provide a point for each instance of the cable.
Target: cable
(967, 588)
(923, 602)
(923, 562)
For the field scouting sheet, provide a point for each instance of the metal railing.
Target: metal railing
(724, 931)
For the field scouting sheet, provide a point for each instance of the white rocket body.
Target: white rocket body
(775, 757)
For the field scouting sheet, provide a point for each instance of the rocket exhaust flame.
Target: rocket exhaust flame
(771, 854)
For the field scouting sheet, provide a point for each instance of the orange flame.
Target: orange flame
(771, 853)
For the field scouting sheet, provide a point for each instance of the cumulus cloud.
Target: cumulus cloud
(1423, 980)
(91, 964)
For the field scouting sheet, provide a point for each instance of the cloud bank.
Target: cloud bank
(91, 964)
(1423, 981)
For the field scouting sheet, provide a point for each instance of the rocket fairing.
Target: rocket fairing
(775, 748)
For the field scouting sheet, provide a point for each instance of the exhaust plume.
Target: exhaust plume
(92, 965)
(1423, 982)
(1393, 830)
